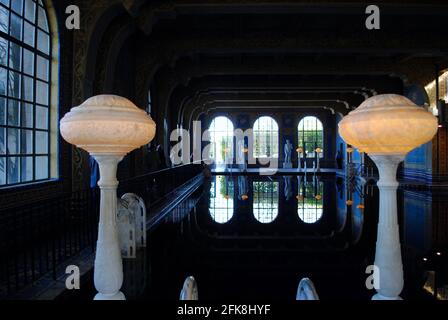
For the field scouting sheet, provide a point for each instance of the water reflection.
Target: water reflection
(221, 205)
(357, 213)
(341, 205)
(287, 187)
(310, 203)
(243, 188)
(334, 252)
(265, 200)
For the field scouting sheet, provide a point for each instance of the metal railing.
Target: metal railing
(36, 238)
(155, 186)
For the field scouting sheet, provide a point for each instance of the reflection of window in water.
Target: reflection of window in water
(221, 199)
(265, 201)
(310, 202)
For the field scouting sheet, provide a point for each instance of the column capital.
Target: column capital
(387, 167)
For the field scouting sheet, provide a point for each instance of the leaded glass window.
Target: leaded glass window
(25, 62)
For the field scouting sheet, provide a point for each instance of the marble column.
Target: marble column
(108, 271)
(388, 249)
(108, 127)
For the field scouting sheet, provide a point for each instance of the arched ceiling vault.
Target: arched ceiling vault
(178, 44)
(329, 91)
(326, 34)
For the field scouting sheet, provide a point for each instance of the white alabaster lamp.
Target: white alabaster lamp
(108, 127)
(387, 127)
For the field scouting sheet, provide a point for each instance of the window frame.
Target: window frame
(47, 80)
(255, 152)
(301, 136)
(213, 148)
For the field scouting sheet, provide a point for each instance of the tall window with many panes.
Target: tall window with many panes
(25, 62)
(265, 134)
(311, 136)
(221, 139)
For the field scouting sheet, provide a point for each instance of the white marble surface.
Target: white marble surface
(387, 127)
(306, 290)
(189, 290)
(388, 248)
(108, 127)
(388, 123)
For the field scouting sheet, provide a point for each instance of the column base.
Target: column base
(116, 296)
(381, 297)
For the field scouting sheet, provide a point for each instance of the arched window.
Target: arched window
(25, 93)
(265, 138)
(310, 207)
(311, 136)
(266, 197)
(221, 138)
(221, 199)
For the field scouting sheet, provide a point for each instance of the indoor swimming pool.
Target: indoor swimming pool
(254, 238)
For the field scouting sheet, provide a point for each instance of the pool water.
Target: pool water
(253, 238)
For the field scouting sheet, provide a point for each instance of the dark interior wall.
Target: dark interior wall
(438, 153)
(122, 45)
(340, 145)
(124, 75)
(162, 86)
(233, 41)
(171, 44)
(124, 85)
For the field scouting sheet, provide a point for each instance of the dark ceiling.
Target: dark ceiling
(223, 47)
